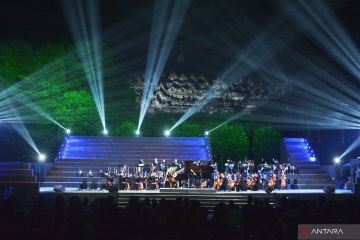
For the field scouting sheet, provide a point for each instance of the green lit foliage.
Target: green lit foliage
(188, 129)
(57, 84)
(266, 144)
(19, 60)
(229, 142)
(126, 129)
(75, 110)
(16, 61)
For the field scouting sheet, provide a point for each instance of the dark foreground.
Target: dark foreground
(76, 218)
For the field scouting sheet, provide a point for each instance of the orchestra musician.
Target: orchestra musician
(220, 184)
(283, 181)
(154, 175)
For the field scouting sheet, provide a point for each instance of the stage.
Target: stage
(207, 197)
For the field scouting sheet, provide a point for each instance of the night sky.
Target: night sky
(206, 21)
(43, 20)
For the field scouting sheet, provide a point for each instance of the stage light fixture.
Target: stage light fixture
(137, 133)
(167, 133)
(41, 157)
(105, 132)
(68, 131)
(337, 160)
(206, 133)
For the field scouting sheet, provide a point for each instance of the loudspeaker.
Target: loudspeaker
(357, 189)
(83, 184)
(329, 189)
(269, 189)
(93, 184)
(59, 188)
(113, 189)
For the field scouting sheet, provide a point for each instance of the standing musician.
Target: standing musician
(283, 181)
(152, 179)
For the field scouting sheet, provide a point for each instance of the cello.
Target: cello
(272, 182)
(219, 182)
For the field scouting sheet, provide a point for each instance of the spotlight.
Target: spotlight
(42, 157)
(137, 133)
(337, 160)
(206, 133)
(167, 133)
(105, 131)
(68, 131)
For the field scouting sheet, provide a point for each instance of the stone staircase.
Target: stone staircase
(302, 155)
(95, 153)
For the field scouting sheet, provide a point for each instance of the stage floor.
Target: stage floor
(207, 197)
(198, 191)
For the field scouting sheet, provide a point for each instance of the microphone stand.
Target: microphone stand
(195, 176)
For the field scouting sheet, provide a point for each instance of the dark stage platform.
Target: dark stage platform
(207, 197)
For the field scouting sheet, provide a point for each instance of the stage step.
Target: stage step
(308, 176)
(14, 165)
(134, 149)
(18, 178)
(311, 171)
(312, 186)
(302, 155)
(16, 172)
(316, 181)
(98, 153)
(69, 179)
(66, 184)
(305, 163)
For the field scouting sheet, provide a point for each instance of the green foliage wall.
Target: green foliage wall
(20, 59)
(266, 144)
(57, 84)
(75, 110)
(126, 129)
(189, 130)
(229, 142)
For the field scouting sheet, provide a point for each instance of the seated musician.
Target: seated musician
(239, 182)
(257, 182)
(221, 183)
(224, 185)
(171, 175)
(101, 173)
(124, 183)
